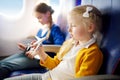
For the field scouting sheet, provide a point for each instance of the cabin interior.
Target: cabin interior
(17, 26)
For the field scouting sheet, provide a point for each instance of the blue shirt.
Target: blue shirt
(56, 36)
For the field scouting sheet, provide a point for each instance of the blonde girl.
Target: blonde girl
(79, 56)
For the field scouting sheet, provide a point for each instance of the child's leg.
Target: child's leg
(16, 62)
(26, 77)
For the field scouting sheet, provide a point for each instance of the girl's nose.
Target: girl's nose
(39, 20)
(69, 29)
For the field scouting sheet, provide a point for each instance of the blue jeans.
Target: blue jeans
(17, 62)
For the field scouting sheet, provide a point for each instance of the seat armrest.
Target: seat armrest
(99, 77)
(51, 48)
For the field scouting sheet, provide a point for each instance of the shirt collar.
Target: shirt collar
(89, 43)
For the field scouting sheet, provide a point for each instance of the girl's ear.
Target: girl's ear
(91, 28)
(48, 13)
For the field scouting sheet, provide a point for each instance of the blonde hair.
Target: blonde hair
(67, 45)
(94, 15)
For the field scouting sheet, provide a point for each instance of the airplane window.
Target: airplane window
(54, 4)
(11, 7)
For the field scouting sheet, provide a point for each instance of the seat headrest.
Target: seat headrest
(110, 44)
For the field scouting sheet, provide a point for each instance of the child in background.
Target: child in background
(79, 56)
(17, 61)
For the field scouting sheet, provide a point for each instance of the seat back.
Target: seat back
(110, 44)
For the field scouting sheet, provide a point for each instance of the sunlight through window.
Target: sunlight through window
(11, 7)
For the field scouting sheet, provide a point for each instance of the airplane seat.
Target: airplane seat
(110, 44)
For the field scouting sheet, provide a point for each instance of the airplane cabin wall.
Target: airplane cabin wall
(17, 29)
(12, 30)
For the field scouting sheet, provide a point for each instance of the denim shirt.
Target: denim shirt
(56, 36)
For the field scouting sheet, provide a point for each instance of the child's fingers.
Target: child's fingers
(40, 49)
(29, 54)
(21, 46)
(33, 42)
(34, 46)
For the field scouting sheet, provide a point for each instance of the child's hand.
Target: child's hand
(33, 42)
(21, 46)
(40, 51)
(30, 54)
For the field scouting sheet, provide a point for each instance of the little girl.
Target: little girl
(22, 61)
(80, 55)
